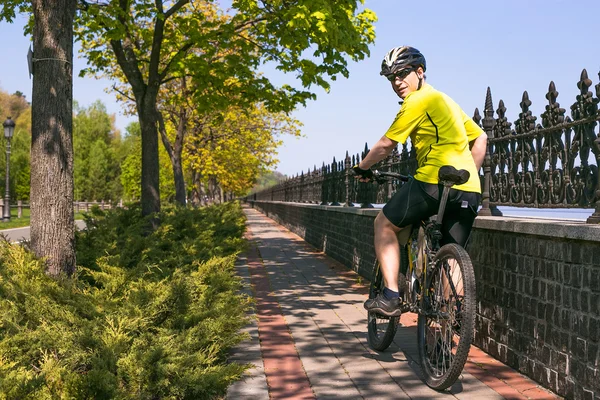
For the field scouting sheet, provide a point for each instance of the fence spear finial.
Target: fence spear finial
(489, 105)
(477, 116)
(584, 82)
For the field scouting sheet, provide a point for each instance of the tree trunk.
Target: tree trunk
(195, 196)
(203, 194)
(150, 196)
(145, 98)
(176, 161)
(174, 151)
(212, 189)
(51, 197)
(180, 196)
(201, 188)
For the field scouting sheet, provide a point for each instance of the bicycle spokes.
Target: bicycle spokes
(443, 310)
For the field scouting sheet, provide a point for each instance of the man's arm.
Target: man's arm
(478, 149)
(380, 150)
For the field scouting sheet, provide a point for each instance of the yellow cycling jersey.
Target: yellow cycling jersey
(440, 132)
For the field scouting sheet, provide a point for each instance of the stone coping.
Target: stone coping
(349, 210)
(555, 228)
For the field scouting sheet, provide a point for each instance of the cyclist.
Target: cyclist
(442, 134)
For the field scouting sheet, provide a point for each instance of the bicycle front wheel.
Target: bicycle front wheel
(446, 323)
(381, 329)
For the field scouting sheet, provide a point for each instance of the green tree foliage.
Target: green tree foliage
(131, 172)
(97, 161)
(16, 107)
(98, 172)
(20, 171)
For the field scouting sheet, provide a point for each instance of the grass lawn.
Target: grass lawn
(24, 220)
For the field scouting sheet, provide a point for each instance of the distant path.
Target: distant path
(17, 235)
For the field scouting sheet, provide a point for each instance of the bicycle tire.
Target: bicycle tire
(442, 363)
(382, 329)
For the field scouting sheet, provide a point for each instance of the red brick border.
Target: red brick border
(285, 374)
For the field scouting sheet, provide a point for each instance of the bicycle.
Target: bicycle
(445, 304)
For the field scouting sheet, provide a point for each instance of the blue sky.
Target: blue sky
(510, 46)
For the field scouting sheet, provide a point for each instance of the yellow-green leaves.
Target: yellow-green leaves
(321, 21)
(237, 147)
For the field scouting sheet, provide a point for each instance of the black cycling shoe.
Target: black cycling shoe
(384, 306)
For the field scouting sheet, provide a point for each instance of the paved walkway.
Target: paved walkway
(309, 339)
(18, 235)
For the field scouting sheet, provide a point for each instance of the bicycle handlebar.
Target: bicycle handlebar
(379, 176)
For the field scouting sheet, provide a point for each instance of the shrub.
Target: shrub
(150, 315)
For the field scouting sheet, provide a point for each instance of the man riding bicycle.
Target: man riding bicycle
(442, 134)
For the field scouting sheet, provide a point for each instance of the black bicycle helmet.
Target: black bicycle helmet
(399, 58)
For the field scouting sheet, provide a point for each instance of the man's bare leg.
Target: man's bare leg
(387, 249)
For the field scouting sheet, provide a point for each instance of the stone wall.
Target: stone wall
(539, 300)
(538, 286)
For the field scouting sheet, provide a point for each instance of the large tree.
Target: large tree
(51, 197)
(176, 109)
(52, 227)
(150, 43)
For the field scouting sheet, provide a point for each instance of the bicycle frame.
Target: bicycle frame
(433, 235)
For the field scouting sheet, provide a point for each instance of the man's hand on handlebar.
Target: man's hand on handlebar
(364, 175)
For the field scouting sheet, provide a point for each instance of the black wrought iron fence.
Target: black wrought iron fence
(549, 165)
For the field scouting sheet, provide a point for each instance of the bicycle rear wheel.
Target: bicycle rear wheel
(446, 323)
(381, 329)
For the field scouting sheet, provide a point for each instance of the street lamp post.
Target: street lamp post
(9, 129)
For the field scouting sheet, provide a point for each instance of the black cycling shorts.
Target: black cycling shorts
(416, 201)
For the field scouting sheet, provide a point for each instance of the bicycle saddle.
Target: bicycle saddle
(450, 174)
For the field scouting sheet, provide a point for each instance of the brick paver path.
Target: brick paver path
(312, 334)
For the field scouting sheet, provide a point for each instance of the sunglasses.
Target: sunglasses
(402, 74)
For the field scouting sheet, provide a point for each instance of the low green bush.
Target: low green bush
(149, 315)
